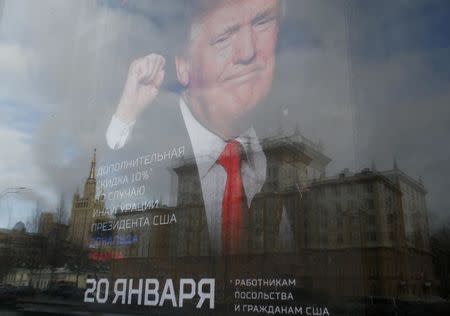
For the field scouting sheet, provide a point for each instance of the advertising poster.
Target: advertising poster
(229, 157)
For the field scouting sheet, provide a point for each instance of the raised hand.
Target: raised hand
(145, 76)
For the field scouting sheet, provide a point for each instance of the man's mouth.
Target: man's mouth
(246, 75)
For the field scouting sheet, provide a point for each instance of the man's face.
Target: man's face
(229, 64)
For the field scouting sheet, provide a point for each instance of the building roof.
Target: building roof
(20, 226)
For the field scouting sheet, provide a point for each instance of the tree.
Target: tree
(61, 211)
(57, 245)
(7, 256)
(440, 249)
(34, 219)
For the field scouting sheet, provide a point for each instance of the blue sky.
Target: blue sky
(21, 117)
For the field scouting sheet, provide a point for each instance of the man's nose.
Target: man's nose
(244, 50)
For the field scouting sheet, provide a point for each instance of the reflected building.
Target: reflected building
(46, 223)
(83, 207)
(363, 233)
(414, 208)
(19, 248)
(356, 224)
(292, 161)
(183, 248)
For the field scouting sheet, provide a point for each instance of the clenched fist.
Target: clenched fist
(142, 86)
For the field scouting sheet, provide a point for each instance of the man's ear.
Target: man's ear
(183, 70)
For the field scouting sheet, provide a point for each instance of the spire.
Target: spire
(320, 144)
(76, 196)
(92, 172)
(421, 180)
(395, 163)
(280, 128)
(296, 129)
(374, 167)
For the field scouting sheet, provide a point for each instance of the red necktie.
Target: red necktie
(233, 197)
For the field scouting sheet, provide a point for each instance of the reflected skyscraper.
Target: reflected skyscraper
(83, 207)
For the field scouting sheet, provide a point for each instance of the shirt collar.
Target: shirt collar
(207, 146)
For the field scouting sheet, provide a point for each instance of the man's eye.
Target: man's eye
(221, 40)
(264, 23)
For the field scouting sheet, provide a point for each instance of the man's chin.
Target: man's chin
(243, 122)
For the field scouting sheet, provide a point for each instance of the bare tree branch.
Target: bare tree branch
(33, 220)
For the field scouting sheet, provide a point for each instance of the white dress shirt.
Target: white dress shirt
(207, 148)
(118, 132)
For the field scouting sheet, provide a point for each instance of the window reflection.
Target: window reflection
(224, 141)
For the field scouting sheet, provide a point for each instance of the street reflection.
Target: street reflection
(358, 238)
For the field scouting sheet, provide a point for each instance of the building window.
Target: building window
(337, 191)
(390, 218)
(391, 236)
(349, 188)
(372, 220)
(354, 236)
(372, 236)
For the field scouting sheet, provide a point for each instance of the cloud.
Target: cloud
(18, 170)
(15, 72)
(400, 82)
(13, 59)
(58, 72)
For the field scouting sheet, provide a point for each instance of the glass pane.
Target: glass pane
(220, 157)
